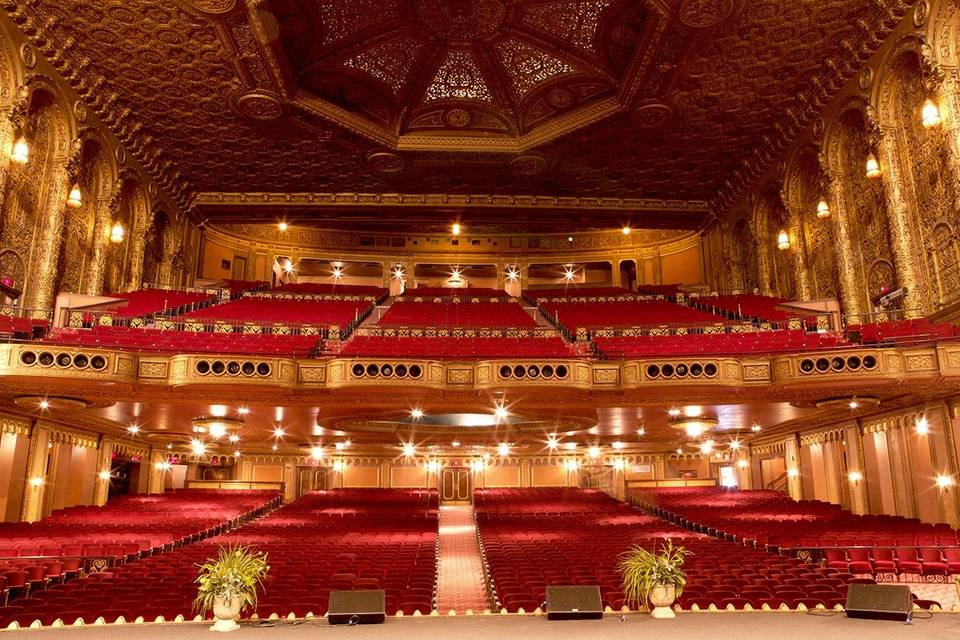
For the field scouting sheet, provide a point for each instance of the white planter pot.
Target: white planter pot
(226, 612)
(662, 597)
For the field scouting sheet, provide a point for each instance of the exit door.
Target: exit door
(455, 484)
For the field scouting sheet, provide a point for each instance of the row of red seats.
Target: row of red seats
(574, 291)
(534, 538)
(718, 343)
(626, 314)
(338, 313)
(21, 327)
(343, 539)
(323, 289)
(163, 341)
(902, 332)
(151, 301)
(491, 315)
(748, 305)
(457, 347)
(773, 518)
(454, 292)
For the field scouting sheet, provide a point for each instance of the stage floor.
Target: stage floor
(764, 625)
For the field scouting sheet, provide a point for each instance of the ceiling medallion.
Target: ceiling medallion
(703, 14)
(212, 6)
(385, 162)
(651, 115)
(260, 106)
(462, 19)
(528, 164)
(51, 402)
(560, 98)
(457, 118)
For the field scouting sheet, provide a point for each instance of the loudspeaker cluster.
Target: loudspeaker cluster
(248, 368)
(533, 372)
(670, 370)
(838, 364)
(386, 370)
(63, 360)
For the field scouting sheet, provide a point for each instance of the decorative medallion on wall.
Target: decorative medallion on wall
(153, 190)
(703, 14)
(385, 162)
(80, 111)
(457, 118)
(529, 164)
(260, 106)
(920, 13)
(866, 78)
(121, 155)
(651, 115)
(29, 56)
(818, 127)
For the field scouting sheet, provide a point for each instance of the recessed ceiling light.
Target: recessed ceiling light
(409, 450)
(282, 226)
(641, 431)
(500, 412)
(503, 449)
(279, 432)
(243, 411)
(552, 443)
(44, 404)
(416, 413)
(134, 429)
(455, 229)
(234, 438)
(625, 230)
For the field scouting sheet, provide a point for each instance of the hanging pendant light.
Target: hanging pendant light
(873, 167)
(21, 151)
(930, 114)
(823, 209)
(75, 199)
(783, 240)
(117, 233)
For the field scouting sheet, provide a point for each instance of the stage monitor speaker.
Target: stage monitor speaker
(357, 607)
(879, 602)
(574, 603)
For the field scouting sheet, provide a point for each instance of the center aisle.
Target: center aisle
(460, 581)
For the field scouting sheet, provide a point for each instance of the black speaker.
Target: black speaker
(574, 603)
(357, 607)
(879, 602)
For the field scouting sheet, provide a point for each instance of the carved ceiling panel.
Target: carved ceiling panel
(673, 99)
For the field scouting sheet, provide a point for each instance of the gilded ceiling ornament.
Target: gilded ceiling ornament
(651, 115)
(920, 13)
(121, 155)
(211, 6)
(560, 98)
(703, 14)
(385, 162)
(80, 111)
(866, 78)
(461, 19)
(260, 106)
(457, 118)
(528, 164)
(29, 55)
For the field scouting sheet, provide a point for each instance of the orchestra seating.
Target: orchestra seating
(37, 554)
(491, 315)
(458, 347)
(343, 539)
(625, 314)
(172, 341)
(452, 292)
(324, 289)
(533, 538)
(862, 544)
(717, 344)
(152, 301)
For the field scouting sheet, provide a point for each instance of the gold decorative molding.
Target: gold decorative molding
(16, 426)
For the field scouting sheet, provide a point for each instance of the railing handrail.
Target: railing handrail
(876, 317)
(16, 311)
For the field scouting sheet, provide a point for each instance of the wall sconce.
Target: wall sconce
(873, 167)
(944, 481)
(21, 151)
(104, 475)
(117, 233)
(36, 482)
(922, 426)
(75, 199)
(339, 466)
(930, 114)
(823, 209)
(743, 464)
(855, 476)
(793, 473)
(783, 240)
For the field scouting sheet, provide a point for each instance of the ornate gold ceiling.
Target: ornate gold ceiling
(665, 99)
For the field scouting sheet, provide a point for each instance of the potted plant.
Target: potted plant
(228, 584)
(654, 578)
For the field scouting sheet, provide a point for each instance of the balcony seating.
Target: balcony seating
(468, 348)
(747, 306)
(371, 538)
(21, 328)
(626, 314)
(35, 555)
(152, 301)
(862, 544)
(161, 341)
(324, 289)
(266, 311)
(902, 332)
(239, 286)
(491, 315)
(717, 344)
(534, 538)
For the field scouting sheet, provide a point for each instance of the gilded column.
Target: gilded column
(40, 293)
(734, 266)
(101, 485)
(14, 125)
(138, 240)
(905, 248)
(744, 470)
(791, 455)
(104, 215)
(158, 472)
(764, 259)
(36, 485)
(851, 287)
(856, 474)
(941, 441)
(799, 249)
(831, 464)
(900, 473)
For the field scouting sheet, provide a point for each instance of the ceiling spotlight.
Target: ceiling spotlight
(455, 444)
(500, 412)
(236, 454)
(243, 411)
(626, 230)
(503, 449)
(416, 413)
(316, 452)
(569, 274)
(455, 229)
(930, 114)
(552, 443)
(234, 438)
(641, 431)
(279, 432)
(922, 426)
(618, 445)
(337, 273)
(512, 274)
(274, 447)
(594, 452)
(282, 226)
(679, 450)
(853, 404)
(409, 450)
(133, 429)
(735, 445)
(44, 404)
(673, 412)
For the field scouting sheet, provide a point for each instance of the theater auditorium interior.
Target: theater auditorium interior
(461, 311)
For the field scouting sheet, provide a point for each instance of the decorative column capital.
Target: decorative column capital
(18, 115)
(871, 121)
(932, 73)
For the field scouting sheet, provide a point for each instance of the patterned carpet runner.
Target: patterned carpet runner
(460, 582)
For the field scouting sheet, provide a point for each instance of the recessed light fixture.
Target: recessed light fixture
(234, 438)
(641, 431)
(552, 443)
(416, 413)
(44, 405)
(133, 429)
(279, 432)
(455, 229)
(243, 411)
(503, 449)
(409, 450)
(501, 412)
(282, 226)
(626, 230)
